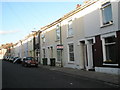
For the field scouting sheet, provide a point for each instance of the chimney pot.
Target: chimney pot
(78, 5)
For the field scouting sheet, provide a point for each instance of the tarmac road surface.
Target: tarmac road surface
(17, 76)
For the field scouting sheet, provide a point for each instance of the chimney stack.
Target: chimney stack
(77, 6)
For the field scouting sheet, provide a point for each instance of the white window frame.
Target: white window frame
(58, 60)
(44, 54)
(57, 29)
(103, 46)
(43, 38)
(70, 23)
(69, 54)
(51, 51)
(102, 17)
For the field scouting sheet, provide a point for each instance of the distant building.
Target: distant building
(2, 53)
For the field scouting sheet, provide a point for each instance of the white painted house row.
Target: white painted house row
(86, 38)
(90, 37)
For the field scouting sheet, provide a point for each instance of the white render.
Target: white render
(108, 70)
(86, 25)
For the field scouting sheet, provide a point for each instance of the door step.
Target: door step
(91, 69)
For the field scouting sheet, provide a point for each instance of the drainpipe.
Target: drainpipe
(34, 44)
(39, 32)
(38, 38)
(61, 44)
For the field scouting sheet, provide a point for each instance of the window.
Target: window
(110, 50)
(57, 32)
(107, 13)
(51, 52)
(43, 53)
(58, 55)
(70, 30)
(71, 52)
(43, 38)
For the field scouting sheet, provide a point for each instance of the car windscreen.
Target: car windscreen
(30, 58)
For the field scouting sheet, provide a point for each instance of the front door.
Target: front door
(90, 54)
(84, 54)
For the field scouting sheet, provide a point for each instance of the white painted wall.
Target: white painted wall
(86, 24)
(77, 26)
(108, 70)
(92, 20)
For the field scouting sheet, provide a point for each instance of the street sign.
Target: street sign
(59, 47)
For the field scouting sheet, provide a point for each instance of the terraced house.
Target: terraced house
(86, 38)
(25, 47)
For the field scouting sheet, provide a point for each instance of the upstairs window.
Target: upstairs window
(70, 29)
(43, 38)
(107, 13)
(58, 32)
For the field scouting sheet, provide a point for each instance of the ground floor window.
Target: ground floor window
(58, 55)
(51, 52)
(43, 53)
(71, 52)
(110, 50)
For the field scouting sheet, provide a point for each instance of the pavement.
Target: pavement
(104, 77)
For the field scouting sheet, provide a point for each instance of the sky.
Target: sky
(18, 19)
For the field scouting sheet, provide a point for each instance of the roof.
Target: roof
(7, 45)
(83, 6)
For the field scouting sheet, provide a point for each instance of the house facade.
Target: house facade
(2, 53)
(102, 36)
(87, 36)
(24, 47)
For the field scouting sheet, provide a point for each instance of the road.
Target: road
(17, 76)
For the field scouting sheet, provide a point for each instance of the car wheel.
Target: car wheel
(36, 66)
(25, 65)
(29, 66)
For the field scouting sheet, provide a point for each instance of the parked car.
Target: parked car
(29, 61)
(7, 58)
(17, 60)
(11, 59)
(4, 58)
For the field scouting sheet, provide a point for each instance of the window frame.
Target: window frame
(43, 38)
(44, 55)
(57, 36)
(70, 28)
(69, 60)
(110, 22)
(58, 60)
(103, 37)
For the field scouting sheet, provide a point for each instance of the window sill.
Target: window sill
(43, 43)
(58, 62)
(69, 37)
(106, 25)
(57, 40)
(110, 64)
(71, 62)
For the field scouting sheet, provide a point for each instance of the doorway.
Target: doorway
(84, 54)
(90, 54)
